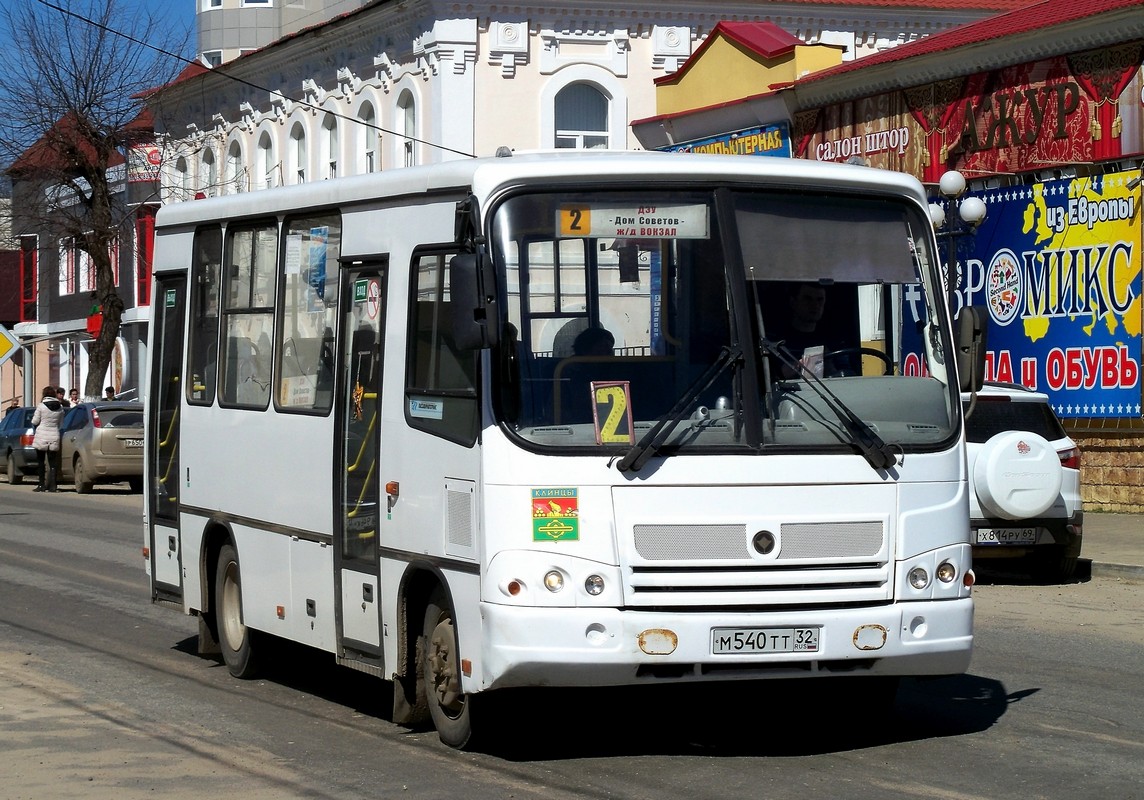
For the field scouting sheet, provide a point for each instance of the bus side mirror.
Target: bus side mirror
(971, 333)
(472, 297)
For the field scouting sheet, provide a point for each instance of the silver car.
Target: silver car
(1024, 469)
(102, 442)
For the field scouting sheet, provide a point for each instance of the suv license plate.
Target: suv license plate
(132, 442)
(764, 640)
(1014, 536)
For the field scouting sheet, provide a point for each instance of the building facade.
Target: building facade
(347, 87)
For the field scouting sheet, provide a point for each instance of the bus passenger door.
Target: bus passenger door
(359, 495)
(166, 391)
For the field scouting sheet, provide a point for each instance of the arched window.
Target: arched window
(208, 178)
(266, 160)
(370, 158)
(298, 141)
(330, 145)
(581, 118)
(407, 111)
(235, 171)
(182, 179)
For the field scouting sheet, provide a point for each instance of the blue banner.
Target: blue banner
(1057, 266)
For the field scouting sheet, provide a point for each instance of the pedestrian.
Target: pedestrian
(46, 441)
(109, 393)
(73, 396)
(61, 395)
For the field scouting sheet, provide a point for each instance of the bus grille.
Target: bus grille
(813, 563)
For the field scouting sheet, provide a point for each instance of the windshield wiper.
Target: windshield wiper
(876, 452)
(649, 445)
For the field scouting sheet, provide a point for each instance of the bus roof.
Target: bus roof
(484, 176)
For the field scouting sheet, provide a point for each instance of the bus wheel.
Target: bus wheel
(235, 639)
(440, 669)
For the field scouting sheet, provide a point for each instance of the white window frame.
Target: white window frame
(370, 138)
(235, 169)
(407, 117)
(65, 277)
(600, 79)
(266, 162)
(331, 144)
(208, 175)
(299, 152)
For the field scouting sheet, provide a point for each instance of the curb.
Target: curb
(1123, 571)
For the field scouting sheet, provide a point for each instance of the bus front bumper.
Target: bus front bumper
(567, 647)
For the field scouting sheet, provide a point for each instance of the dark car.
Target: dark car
(102, 442)
(16, 444)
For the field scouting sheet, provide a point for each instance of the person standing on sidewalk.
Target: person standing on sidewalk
(46, 420)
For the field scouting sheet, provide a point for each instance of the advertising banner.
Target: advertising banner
(1082, 107)
(1057, 266)
(767, 140)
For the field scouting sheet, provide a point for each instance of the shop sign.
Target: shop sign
(865, 145)
(1057, 266)
(769, 140)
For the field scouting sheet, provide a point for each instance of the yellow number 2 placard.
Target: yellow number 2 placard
(575, 221)
(612, 412)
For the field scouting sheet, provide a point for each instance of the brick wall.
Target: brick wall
(1112, 469)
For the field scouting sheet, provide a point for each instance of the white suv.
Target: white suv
(1024, 474)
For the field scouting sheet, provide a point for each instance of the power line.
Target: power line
(244, 82)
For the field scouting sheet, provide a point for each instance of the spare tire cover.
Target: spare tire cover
(1017, 474)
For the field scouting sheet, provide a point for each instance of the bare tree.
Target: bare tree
(72, 87)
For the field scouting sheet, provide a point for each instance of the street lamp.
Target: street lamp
(970, 213)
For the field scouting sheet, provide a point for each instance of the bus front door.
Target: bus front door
(162, 429)
(359, 498)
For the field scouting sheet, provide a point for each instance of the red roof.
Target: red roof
(192, 70)
(48, 152)
(936, 5)
(764, 38)
(1028, 18)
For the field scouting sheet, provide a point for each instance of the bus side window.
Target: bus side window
(202, 353)
(248, 314)
(309, 277)
(441, 380)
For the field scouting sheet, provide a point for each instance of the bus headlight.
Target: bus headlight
(553, 580)
(919, 578)
(594, 585)
(946, 572)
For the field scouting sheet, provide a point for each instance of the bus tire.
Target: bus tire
(236, 641)
(449, 708)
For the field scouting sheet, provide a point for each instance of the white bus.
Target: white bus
(376, 427)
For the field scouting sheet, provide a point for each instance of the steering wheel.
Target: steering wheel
(863, 351)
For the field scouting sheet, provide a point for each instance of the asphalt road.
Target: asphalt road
(102, 696)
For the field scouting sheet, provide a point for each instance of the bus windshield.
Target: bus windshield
(751, 320)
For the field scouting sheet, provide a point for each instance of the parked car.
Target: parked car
(16, 444)
(102, 442)
(1024, 470)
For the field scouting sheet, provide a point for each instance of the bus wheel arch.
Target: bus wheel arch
(410, 706)
(440, 662)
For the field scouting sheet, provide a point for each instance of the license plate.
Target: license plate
(1003, 536)
(132, 442)
(764, 640)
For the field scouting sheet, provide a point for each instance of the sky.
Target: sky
(177, 25)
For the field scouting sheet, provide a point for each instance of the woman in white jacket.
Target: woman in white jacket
(46, 420)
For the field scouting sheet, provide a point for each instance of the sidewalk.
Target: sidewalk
(1114, 544)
